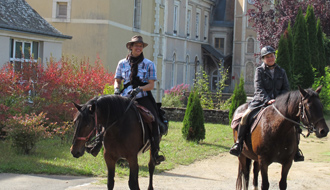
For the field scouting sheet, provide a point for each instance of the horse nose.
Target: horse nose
(323, 132)
(76, 153)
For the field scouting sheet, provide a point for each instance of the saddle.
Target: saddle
(253, 119)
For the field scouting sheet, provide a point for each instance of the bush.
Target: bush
(175, 96)
(238, 98)
(26, 131)
(193, 123)
(50, 89)
(325, 92)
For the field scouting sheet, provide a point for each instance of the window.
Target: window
(214, 80)
(250, 46)
(176, 18)
(173, 71)
(220, 44)
(186, 70)
(137, 14)
(249, 73)
(206, 26)
(188, 22)
(197, 25)
(61, 10)
(22, 53)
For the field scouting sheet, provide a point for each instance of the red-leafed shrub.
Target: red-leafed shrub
(50, 89)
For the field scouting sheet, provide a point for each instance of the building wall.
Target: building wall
(244, 61)
(101, 28)
(182, 55)
(4, 50)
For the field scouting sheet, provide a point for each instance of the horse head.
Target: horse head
(311, 113)
(84, 124)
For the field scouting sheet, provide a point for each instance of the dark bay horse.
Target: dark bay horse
(274, 139)
(123, 137)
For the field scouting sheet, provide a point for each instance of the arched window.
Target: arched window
(249, 73)
(173, 70)
(186, 70)
(250, 46)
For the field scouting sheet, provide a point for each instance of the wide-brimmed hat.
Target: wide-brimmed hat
(136, 39)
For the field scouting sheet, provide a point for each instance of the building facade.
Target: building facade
(184, 36)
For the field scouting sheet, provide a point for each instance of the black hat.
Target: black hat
(267, 50)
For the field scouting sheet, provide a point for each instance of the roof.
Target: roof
(214, 52)
(18, 15)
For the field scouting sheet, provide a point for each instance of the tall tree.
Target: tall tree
(320, 48)
(270, 20)
(283, 58)
(301, 58)
(312, 40)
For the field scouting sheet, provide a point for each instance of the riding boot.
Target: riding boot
(155, 149)
(163, 121)
(236, 149)
(298, 157)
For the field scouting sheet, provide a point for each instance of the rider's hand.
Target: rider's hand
(135, 91)
(271, 101)
(117, 91)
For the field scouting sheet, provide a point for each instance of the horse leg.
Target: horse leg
(151, 172)
(285, 170)
(264, 175)
(133, 182)
(255, 174)
(111, 164)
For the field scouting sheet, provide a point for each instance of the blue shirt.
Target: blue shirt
(146, 72)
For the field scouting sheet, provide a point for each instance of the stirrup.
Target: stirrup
(236, 149)
(158, 158)
(299, 157)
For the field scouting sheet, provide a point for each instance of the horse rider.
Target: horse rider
(139, 75)
(270, 81)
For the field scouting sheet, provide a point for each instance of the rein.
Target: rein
(302, 114)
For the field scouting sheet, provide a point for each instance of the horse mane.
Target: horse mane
(291, 98)
(112, 105)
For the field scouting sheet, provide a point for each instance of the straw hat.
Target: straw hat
(137, 39)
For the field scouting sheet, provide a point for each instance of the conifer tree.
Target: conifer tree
(238, 98)
(193, 123)
(289, 36)
(301, 58)
(320, 48)
(312, 40)
(283, 58)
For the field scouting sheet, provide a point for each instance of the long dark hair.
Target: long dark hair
(134, 62)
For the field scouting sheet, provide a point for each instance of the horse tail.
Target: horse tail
(239, 177)
(243, 173)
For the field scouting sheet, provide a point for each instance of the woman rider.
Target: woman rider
(139, 75)
(270, 81)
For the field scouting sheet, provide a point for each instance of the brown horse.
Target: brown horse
(274, 138)
(123, 136)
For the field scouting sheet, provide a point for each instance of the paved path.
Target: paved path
(42, 182)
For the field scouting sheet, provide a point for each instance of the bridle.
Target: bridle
(90, 134)
(303, 118)
(97, 130)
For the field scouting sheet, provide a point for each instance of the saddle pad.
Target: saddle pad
(238, 117)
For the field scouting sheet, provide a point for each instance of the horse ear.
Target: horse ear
(91, 108)
(77, 106)
(318, 90)
(302, 91)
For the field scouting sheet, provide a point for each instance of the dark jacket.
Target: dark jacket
(267, 88)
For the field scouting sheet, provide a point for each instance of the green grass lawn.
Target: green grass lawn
(53, 157)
